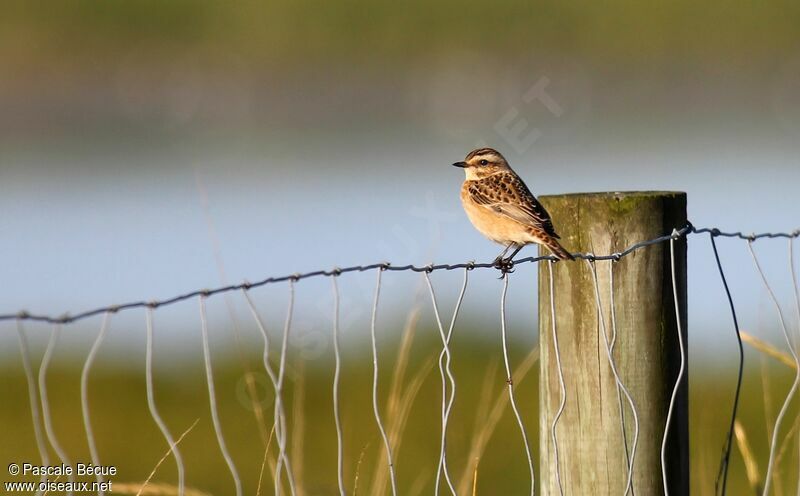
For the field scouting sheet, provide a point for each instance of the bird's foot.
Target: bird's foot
(504, 265)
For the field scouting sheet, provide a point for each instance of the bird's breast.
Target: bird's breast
(495, 226)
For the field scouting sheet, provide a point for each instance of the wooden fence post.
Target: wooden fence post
(591, 452)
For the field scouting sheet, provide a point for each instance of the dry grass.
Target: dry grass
(157, 489)
(298, 427)
(407, 383)
(264, 461)
(768, 412)
(750, 463)
(787, 441)
(358, 468)
(148, 488)
(769, 350)
(766, 350)
(143, 487)
(486, 425)
(419, 483)
(217, 251)
(401, 399)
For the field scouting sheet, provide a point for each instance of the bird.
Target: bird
(502, 208)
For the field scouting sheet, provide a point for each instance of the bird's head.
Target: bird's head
(483, 162)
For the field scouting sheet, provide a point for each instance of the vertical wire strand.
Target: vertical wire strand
(48, 424)
(510, 383)
(151, 404)
(212, 398)
(613, 312)
(375, 408)
(444, 356)
(562, 386)
(630, 458)
(444, 369)
(681, 370)
(797, 309)
(456, 311)
(280, 412)
(722, 475)
(790, 395)
(33, 398)
(620, 386)
(274, 379)
(444, 363)
(87, 366)
(336, 377)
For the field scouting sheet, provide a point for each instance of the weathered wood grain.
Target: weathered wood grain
(591, 450)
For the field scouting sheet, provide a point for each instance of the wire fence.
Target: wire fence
(284, 476)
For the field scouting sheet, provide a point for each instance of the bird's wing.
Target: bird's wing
(506, 194)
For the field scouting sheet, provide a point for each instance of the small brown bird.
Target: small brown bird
(502, 207)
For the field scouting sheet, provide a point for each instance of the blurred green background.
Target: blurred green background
(150, 148)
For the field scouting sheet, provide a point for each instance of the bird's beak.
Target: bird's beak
(460, 164)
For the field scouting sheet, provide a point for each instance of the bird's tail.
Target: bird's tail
(554, 246)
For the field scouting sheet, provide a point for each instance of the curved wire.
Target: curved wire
(621, 408)
(151, 404)
(629, 458)
(85, 399)
(722, 475)
(33, 398)
(68, 319)
(510, 383)
(48, 424)
(456, 311)
(280, 413)
(444, 368)
(336, 374)
(375, 408)
(562, 387)
(445, 354)
(212, 399)
(620, 386)
(681, 371)
(749, 237)
(797, 304)
(274, 379)
(794, 281)
(790, 394)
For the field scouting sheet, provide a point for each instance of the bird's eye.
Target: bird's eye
(484, 162)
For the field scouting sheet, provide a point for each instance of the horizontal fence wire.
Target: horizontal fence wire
(685, 231)
(448, 380)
